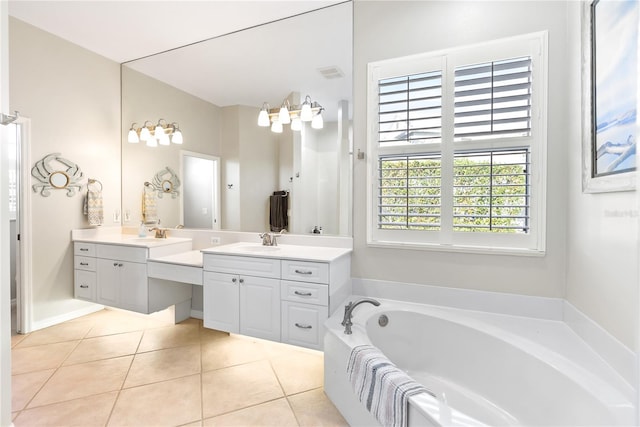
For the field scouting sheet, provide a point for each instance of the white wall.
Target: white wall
(72, 97)
(388, 29)
(602, 232)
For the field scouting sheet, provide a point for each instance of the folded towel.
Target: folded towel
(93, 207)
(383, 388)
(149, 207)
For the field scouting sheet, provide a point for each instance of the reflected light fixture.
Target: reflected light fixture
(162, 133)
(308, 111)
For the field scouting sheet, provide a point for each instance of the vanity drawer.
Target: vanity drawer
(121, 252)
(316, 272)
(250, 266)
(311, 293)
(303, 324)
(85, 285)
(84, 249)
(84, 263)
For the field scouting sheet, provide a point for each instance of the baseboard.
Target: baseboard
(612, 351)
(197, 314)
(54, 320)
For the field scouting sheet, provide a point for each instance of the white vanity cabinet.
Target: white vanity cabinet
(122, 277)
(242, 295)
(272, 297)
(85, 280)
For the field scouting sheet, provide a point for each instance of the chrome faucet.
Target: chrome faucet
(161, 233)
(268, 239)
(348, 310)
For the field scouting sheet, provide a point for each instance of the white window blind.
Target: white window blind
(493, 99)
(410, 109)
(409, 192)
(491, 191)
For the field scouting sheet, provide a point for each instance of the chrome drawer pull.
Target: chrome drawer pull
(84, 263)
(84, 286)
(298, 325)
(304, 271)
(303, 294)
(84, 249)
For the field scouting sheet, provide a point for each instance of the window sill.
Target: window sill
(437, 247)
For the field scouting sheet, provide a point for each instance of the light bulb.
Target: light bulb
(263, 117)
(158, 132)
(163, 139)
(284, 117)
(317, 122)
(176, 138)
(133, 136)
(276, 127)
(145, 135)
(306, 115)
(296, 124)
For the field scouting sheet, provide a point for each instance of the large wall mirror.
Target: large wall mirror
(214, 90)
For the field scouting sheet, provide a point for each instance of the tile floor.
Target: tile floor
(114, 368)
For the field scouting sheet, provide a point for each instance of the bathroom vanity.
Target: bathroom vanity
(280, 293)
(112, 271)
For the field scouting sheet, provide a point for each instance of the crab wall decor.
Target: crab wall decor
(165, 181)
(52, 176)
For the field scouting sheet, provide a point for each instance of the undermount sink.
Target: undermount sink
(144, 239)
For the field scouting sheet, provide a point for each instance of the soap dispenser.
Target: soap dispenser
(142, 231)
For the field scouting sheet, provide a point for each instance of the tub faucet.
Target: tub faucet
(348, 310)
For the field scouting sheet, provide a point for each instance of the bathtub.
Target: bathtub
(483, 368)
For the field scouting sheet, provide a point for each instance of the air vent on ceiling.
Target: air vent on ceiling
(331, 72)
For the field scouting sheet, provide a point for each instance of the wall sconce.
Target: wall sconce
(162, 133)
(308, 111)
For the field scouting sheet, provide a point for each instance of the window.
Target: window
(459, 142)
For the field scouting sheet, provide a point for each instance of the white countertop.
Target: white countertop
(296, 252)
(189, 259)
(132, 240)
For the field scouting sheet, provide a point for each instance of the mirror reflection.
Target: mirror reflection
(230, 168)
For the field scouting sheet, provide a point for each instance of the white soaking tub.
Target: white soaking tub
(484, 368)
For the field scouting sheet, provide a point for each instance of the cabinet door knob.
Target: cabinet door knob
(298, 325)
(234, 280)
(302, 294)
(241, 280)
(84, 263)
(115, 264)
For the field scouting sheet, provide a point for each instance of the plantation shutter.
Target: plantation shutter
(493, 99)
(410, 109)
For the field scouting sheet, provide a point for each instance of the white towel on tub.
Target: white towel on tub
(383, 388)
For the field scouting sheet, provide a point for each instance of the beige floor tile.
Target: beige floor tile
(161, 365)
(86, 412)
(313, 408)
(71, 331)
(106, 347)
(40, 357)
(169, 403)
(116, 323)
(16, 339)
(230, 351)
(276, 413)
(299, 371)
(208, 335)
(170, 336)
(25, 386)
(194, 424)
(238, 387)
(85, 379)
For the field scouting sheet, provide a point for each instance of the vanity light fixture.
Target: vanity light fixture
(308, 111)
(162, 133)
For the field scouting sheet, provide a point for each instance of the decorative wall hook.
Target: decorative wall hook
(54, 178)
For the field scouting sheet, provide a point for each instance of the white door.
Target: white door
(134, 288)
(260, 307)
(221, 301)
(108, 281)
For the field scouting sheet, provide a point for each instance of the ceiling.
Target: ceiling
(254, 51)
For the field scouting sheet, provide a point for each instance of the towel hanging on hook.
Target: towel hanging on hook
(93, 203)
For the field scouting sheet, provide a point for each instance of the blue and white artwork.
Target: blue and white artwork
(614, 56)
